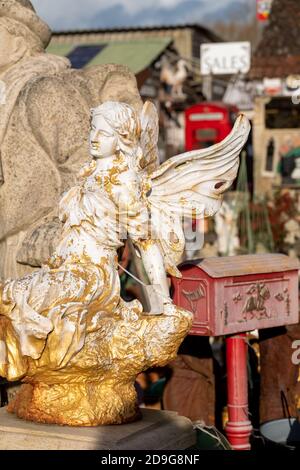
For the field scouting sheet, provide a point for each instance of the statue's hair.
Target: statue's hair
(17, 29)
(122, 118)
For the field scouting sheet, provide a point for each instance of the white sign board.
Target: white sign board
(225, 58)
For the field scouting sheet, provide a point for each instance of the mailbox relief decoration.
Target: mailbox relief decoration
(262, 300)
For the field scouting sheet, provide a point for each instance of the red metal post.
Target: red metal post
(238, 428)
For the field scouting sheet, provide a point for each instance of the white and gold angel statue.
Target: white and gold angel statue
(64, 329)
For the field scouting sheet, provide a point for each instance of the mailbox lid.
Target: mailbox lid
(219, 267)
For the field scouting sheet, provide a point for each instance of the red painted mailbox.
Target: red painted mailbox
(235, 294)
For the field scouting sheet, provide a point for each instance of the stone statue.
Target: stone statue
(44, 122)
(64, 329)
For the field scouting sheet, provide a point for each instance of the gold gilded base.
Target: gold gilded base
(96, 387)
(76, 405)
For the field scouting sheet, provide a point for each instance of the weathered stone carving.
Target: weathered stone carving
(44, 122)
(64, 329)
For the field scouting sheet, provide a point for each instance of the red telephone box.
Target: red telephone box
(207, 124)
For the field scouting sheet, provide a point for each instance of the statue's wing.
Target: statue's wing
(149, 137)
(192, 185)
(197, 179)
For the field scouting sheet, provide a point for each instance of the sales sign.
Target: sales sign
(225, 58)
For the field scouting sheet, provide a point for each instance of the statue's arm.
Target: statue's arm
(131, 202)
(154, 266)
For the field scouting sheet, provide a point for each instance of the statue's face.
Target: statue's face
(103, 139)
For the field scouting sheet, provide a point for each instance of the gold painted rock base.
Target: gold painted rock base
(96, 387)
(76, 404)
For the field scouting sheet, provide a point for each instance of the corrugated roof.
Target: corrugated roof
(218, 267)
(209, 33)
(136, 54)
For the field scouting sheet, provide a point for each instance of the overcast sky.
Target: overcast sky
(79, 14)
